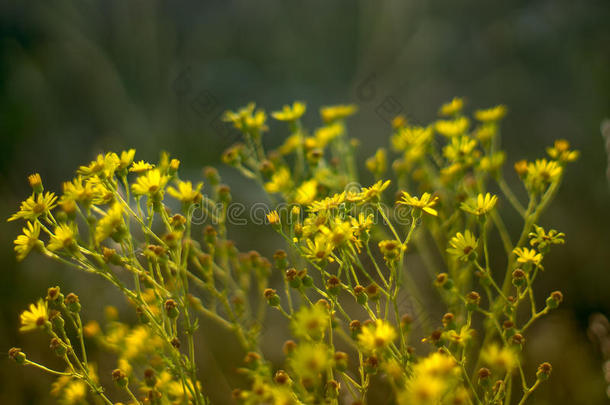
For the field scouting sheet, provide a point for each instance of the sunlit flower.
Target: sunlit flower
(289, 113)
(35, 317)
(337, 112)
(373, 192)
(424, 203)
(463, 246)
(543, 240)
(140, 167)
(35, 206)
(451, 128)
(491, 114)
(525, 255)
(306, 192)
(151, 183)
(376, 336)
(126, 159)
(561, 151)
(28, 240)
(109, 224)
(63, 238)
(453, 107)
(185, 192)
(103, 166)
(499, 357)
(310, 322)
(480, 205)
(280, 181)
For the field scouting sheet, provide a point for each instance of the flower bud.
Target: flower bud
(58, 347)
(484, 375)
(211, 175)
(171, 308)
(282, 378)
(224, 194)
(209, 235)
(73, 303)
(372, 291)
(443, 280)
(472, 300)
(333, 285)
(120, 378)
(292, 276)
(272, 298)
(17, 355)
(332, 389)
(289, 347)
(279, 258)
(149, 377)
(371, 364)
(35, 182)
(341, 361)
(554, 299)
(449, 321)
(360, 293)
(252, 360)
(518, 277)
(544, 371)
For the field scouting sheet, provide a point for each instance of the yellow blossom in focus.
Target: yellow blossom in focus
(525, 255)
(28, 240)
(140, 167)
(424, 203)
(109, 224)
(185, 192)
(152, 183)
(480, 205)
(35, 206)
(63, 238)
(35, 317)
(373, 193)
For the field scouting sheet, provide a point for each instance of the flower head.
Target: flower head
(463, 246)
(480, 205)
(525, 255)
(491, 114)
(374, 192)
(453, 107)
(35, 206)
(28, 240)
(561, 151)
(109, 224)
(423, 203)
(35, 317)
(377, 336)
(140, 167)
(103, 166)
(247, 119)
(289, 113)
(310, 322)
(152, 183)
(185, 192)
(334, 113)
(451, 128)
(543, 240)
(64, 238)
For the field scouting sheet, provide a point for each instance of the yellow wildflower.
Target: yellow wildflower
(327, 133)
(376, 336)
(561, 151)
(542, 172)
(310, 322)
(35, 206)
(525, 255)
(491, 114)
(140, 167)
(499, 358)
(289, 113)
(126, 159)
(35, 317)
(247, 119)
(103, 166)
(152, 183)
(63, 238)
(378, 164)
(328, 203)
(318, 249)
(451, 128)
(480, 205)
(373, 192)
(185, 192)
(412, 136)
(424, 203)
(463, 246)
(28, 240)
(273, 217)
(109, 224)
(453, 107)
(280, 181)
(334, 113)
(306, 192)
(461, 148)
(309, 359)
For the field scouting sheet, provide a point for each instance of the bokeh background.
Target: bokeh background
(81, 77)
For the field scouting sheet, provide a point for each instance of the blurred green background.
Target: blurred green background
(81, 77)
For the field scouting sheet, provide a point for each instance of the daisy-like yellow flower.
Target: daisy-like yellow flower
(412, 137)
(327, 133)
(525, 255)
(28, 240)
(328, 203)
(151, 183)
(501, 358)
(140, 167)
(35, 206)
(423, 203)
(561, 151)
(453, 107)
(376, 336)
(306, 192)
(280, 181)
(338, 232)
(309, 359)
(463, 246)
(310, 322)
(64, 238)
(78, 190)
(318, 249)
(185, 192)
(35, 317)
(334, 113)
(378, 163)
(543, 240)
(451, 128)
(247, 119)
(126, 159)
(542, 172)
(493, 114)
(362, 223)
(103, 166)
(480, 205)
(373, 192)
(110, 224)
(289, 113)
(461, 148)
